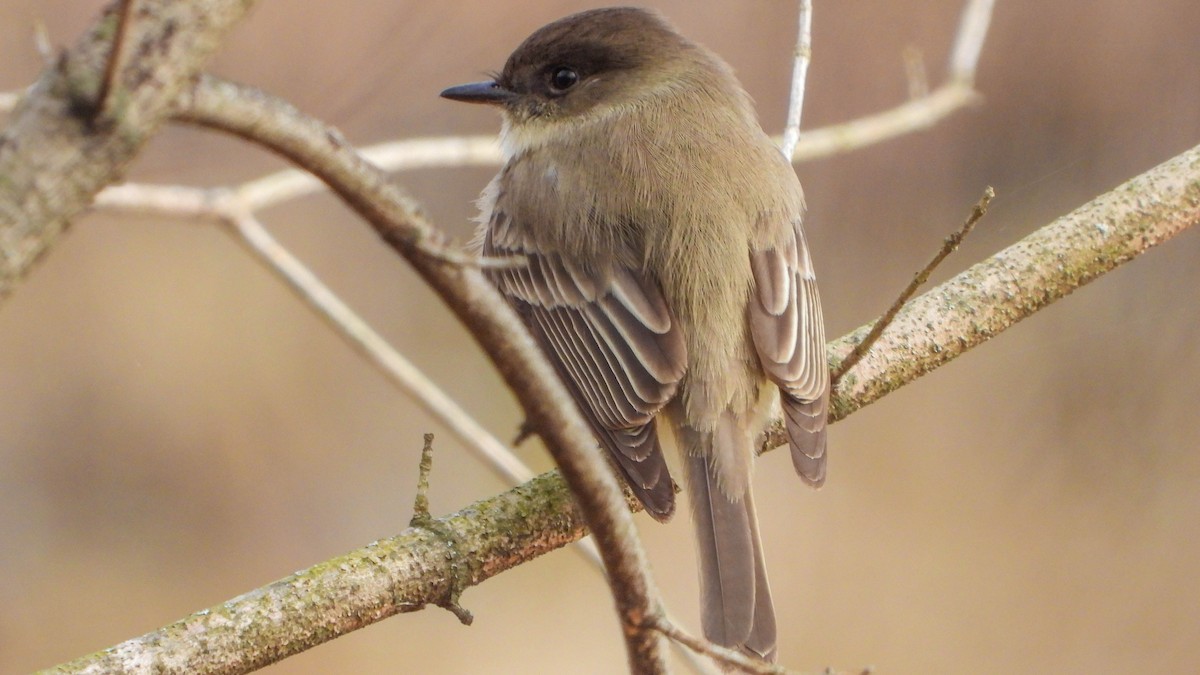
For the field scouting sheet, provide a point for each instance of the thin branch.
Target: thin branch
(225, 206)
(802, 56)
(41, 42)
(421, 516)
(950, 245)
(402, 155)
(116, 55)
(371, 345)
(174, 201)
(914, 71)
(906, 118)
(972, 31)
(276, 125)
(454, 256)
(412, 570)
(728, 658)
(915, 114)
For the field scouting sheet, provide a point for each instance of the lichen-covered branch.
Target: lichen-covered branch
(427, 565)
(995, 294)
(63, 144)
(950, 245)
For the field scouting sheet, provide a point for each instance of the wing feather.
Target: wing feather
(789, 337)
(613, 340)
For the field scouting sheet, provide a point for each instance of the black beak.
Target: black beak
(478, 92)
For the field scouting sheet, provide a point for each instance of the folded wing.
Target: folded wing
(613, 340)
(789, 336)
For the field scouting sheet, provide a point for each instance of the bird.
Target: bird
(665, 276)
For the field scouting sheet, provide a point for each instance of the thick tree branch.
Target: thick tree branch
(537, 517)
(63, 143)
(272, 123)
(949, 246)
(995, 294)
(427, 565)
(1047, 265)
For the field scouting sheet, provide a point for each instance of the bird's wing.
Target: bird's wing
(789, 336)
(613, 340)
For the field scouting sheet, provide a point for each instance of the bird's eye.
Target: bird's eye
(562, 79)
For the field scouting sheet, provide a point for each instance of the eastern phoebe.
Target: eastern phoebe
(667, 275)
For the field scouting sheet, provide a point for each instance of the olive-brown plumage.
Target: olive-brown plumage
(668, 279)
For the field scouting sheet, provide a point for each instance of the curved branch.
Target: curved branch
(530, 520)
(919, 113)
(910, 116)
(63, 143)
(275, 124)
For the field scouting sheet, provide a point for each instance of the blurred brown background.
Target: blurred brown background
(176, 429)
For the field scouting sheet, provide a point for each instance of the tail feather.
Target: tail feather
(805, 422)
(762, 639)
(735, 598)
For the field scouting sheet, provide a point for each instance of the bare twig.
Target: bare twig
(274, 124)
(116, 55)
(914, 71)
(174, 201)
(421, 516)
(948, 246)
(915, 114)
(226, 206)
(453, 256)
(908, 117)
(802, 56)
(402, 155)
(41, 42)
(968, 45)
(728, 658)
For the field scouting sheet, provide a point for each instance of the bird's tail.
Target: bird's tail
(735, 598)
